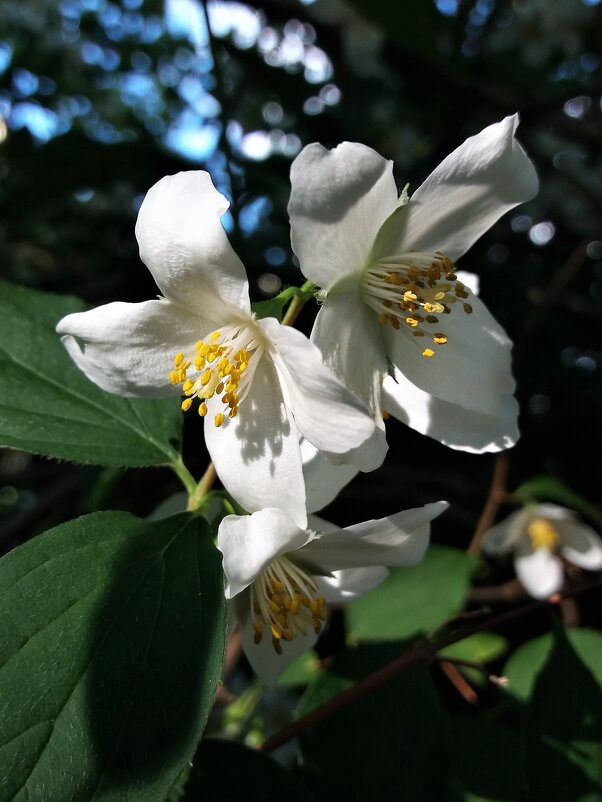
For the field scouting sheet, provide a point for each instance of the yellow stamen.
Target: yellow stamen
(543, 534)
(219, 419)
(428, 352)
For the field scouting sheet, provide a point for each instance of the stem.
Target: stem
(301, 298)
(497, 495)
(204, 486)
(184, 475)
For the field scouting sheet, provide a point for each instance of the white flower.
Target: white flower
(539, 535)
(260, 385)
(393, 304)
(281, 576)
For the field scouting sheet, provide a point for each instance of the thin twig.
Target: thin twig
(466, 691)
(497, 495)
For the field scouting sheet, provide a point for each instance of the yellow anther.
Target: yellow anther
(428, 352)
(206, 378)
(219, 387)
(186, 404)
(203, 349)
(258, 626)
(199, 363)
(215, 335)
(187, 386)
(439, 296)
(410, 296)
(440, 339)
(287, 634)
(174, 377)
(203, 409)
(428, 307)
(411, 321)
(233, 412)
(178, 359)
(219, 419)
(276, 631)
(543, 534)
(277, 585)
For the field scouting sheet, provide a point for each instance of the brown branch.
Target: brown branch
(497, 496)
(466, 691)
(421, 652)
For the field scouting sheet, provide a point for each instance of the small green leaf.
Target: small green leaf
(412, 600)
(257, 777)
(273, 307)
(111, 646)
(389, 744)
(527, 661)
(550, 488)
(563, 730)
(301, 671)
(49, 407)
(481, 647)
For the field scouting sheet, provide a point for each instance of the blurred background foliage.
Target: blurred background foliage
(98, 100)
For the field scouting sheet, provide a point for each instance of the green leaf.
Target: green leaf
(273, 307)
(49, 407)
(257, 776)
(486, 758)
(392, 738)
(482, 647)
(412, 600)
(301, 671)
(111, 646)
(563, 730)
(550, 488)
(528, 660)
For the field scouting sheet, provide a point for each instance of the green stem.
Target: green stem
(184, 475)
(303, 295)
(204, 486)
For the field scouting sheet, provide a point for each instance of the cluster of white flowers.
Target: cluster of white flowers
(289, 420)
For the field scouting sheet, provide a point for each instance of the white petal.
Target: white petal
(485, 177)
(339, 200)
(400, 539)
(325, 412)
(263, 659)
(539, 571)
(323, 480)
(342, 586)
(451, 424)
(128, 349)
(472, 370)
(250, 542)
(470, 280)
(350, 338)
(581, 545)
(184, 245)
(505, 535)
(257, 454)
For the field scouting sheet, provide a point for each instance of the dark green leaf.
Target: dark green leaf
(301, 671)
(563, 730)
(49, 407)
(111, 646)
(225, 771)
(527, 661)
(389, 745)
(486, 758)
(412, 600)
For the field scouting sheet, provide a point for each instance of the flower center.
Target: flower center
(285, 601)
(412, 289)
(223, 364)
(543, 535)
